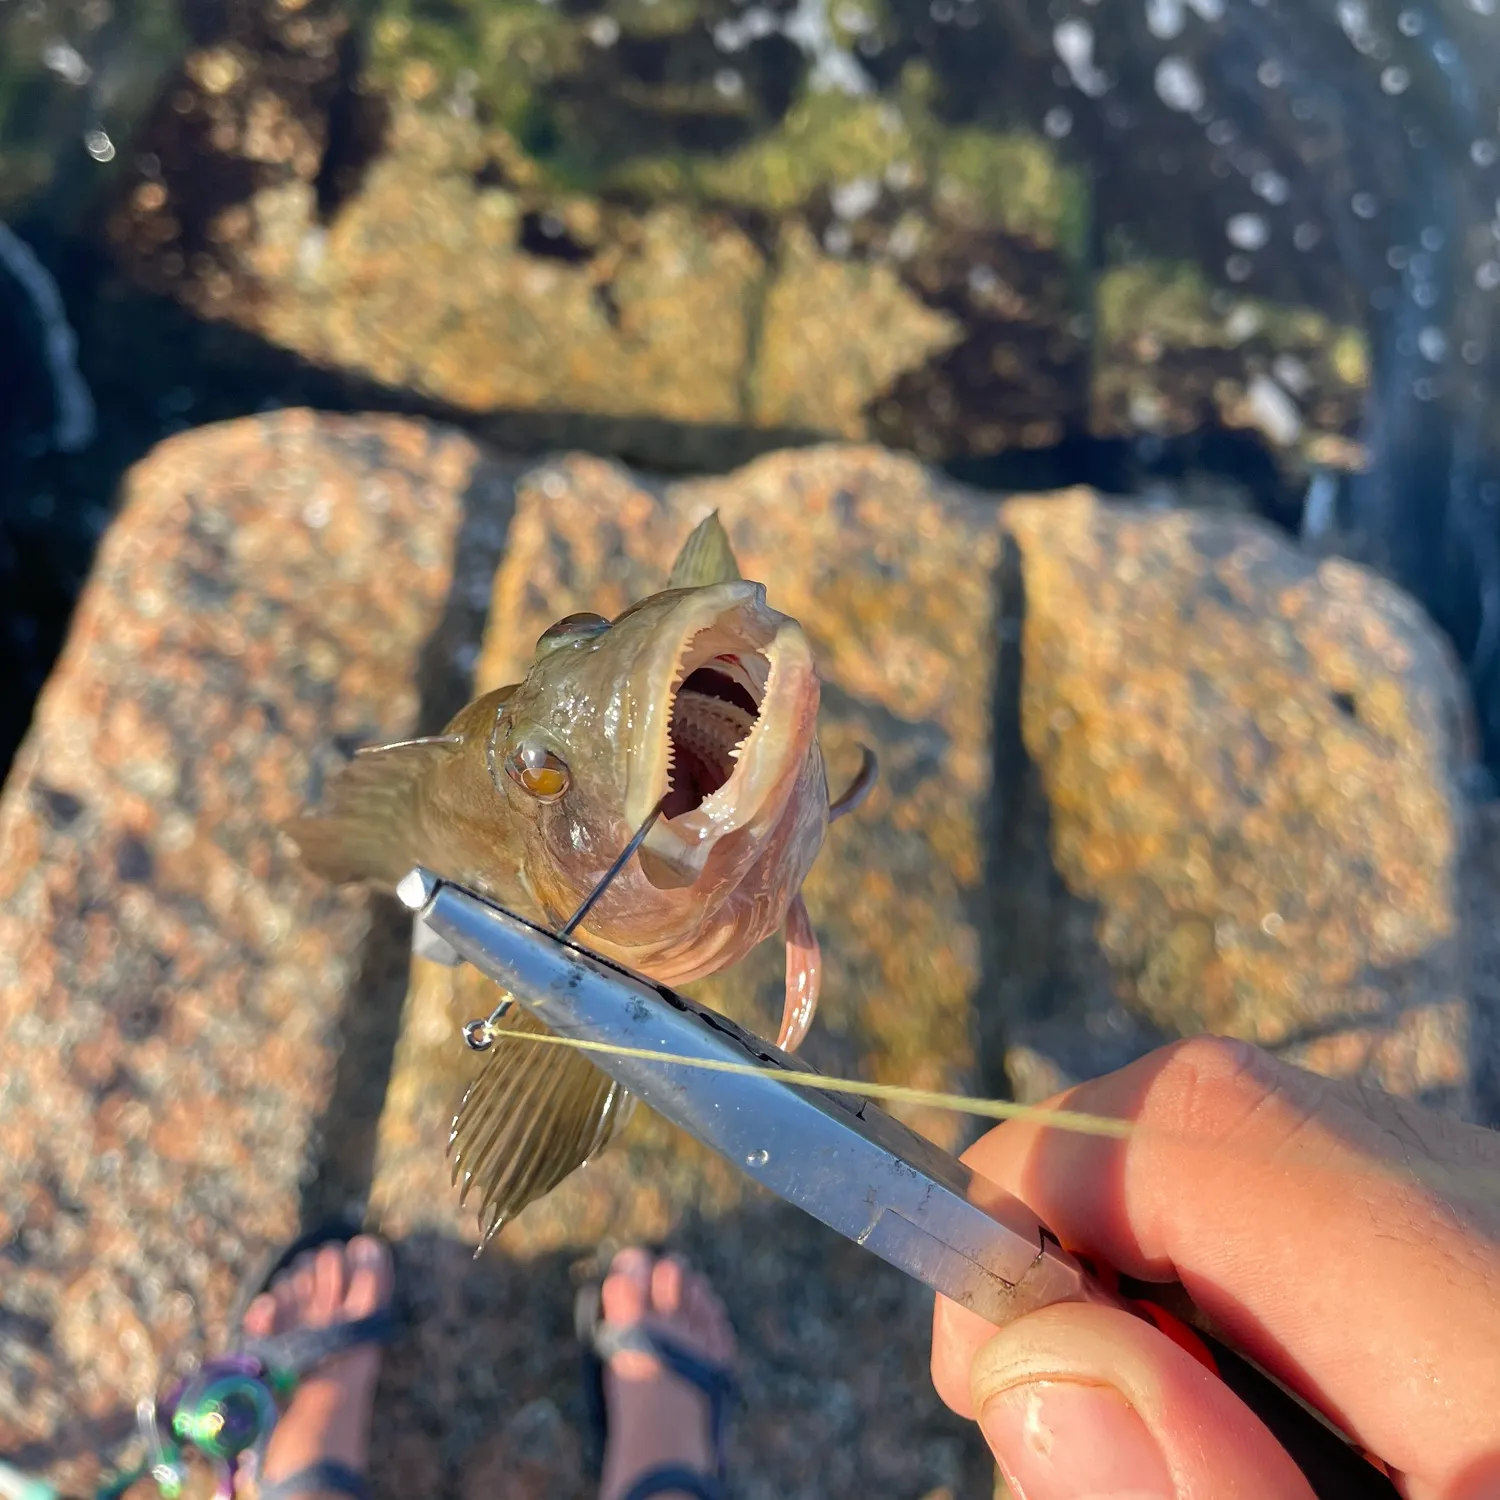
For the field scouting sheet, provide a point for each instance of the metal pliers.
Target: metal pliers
(838, 1157)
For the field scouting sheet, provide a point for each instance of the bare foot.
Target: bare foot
(329, 1417)
(656, 1418)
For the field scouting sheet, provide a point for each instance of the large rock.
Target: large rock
(1251, 764)
(203, 1044)
(170, 983)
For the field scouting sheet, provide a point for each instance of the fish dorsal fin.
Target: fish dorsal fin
(706, 557)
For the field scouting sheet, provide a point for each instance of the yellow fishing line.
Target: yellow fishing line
(1435, 1175)
(994, 1109)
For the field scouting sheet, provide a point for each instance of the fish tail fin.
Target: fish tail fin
(370, 827)
(706, 557)
(532, 1117)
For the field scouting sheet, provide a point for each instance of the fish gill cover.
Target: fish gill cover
(1119, 237)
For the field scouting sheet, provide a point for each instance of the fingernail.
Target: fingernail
(1064, 1440)
(365, 1251)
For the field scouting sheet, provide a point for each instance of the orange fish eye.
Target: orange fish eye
(539, 773)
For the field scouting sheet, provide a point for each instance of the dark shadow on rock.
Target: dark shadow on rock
(371, 1021)
(1045, 984)
(482, 1396)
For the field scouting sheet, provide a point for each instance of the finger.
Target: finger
(1282, 1207)
(1077, 1400)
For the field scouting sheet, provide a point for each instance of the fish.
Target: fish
(697, 707)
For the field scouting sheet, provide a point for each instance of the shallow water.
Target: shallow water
(1258, 243)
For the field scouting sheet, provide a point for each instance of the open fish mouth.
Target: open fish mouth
(739, 713)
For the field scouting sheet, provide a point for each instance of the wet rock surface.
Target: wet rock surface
(211, 1045)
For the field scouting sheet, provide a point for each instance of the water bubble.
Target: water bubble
(1364, 205)
(98, 145)
(941, 11)
(1472, 352)
(1424, 389)
(900, 175)
(1398, 257)
(1073, 41)
(1178, 85)
(1483, 152)
(1220, 132)
(1487, 275)
(1238, 267)
(1482, 7)
(1270, 74)
(1444, 53)
(1433, 343)
(855, 198)
(1058, 122)
(1424, 294)
(1306, 235)
(1433, 238)
(1165, 19)
(1208, 10)
(1410, 22)
(1395, 80)
(853, 19)
(1271, 186)
(758, 1158)
(67, 63)
(1248, 231)
(837, 240)
(604, 31)
(729, 83)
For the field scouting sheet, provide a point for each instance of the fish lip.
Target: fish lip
(768, 756)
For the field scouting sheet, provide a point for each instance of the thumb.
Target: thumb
(1090, 1403)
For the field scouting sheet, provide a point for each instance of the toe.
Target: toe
(284, 1294)
(666, 1285)
(328, 1285)
(304, 1284)
(708, 1320)
(368, 1268)
(260, 1316)
(626, 1293)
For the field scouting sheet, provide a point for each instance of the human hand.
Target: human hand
(1347, 1241)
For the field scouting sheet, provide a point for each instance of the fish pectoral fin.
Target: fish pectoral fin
(804, 976)
(368, 829)
(532, 1117)
(706, 557)
(858, 789)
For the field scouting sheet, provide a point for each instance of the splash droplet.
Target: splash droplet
(1178, 85)
(1247, 231)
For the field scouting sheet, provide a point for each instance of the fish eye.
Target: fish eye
(538, 772)
(570, 630)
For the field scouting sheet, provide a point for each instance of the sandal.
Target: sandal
(226, 1410)
(600, 1342)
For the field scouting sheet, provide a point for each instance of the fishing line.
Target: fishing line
(480, 1035)
(1432, 1175)
(994, 1109)
(621, 860)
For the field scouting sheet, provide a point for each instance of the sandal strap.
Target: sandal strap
(326, 1474)
(716, 1383)
(713, 1380)
(302, 1349)
(670, 1477)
